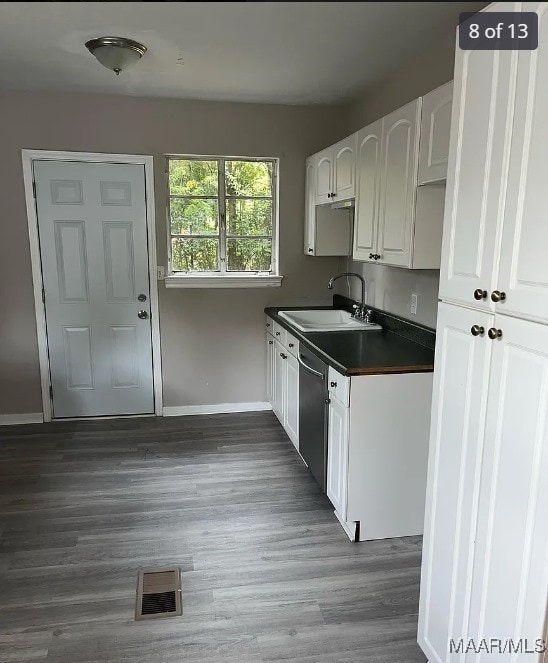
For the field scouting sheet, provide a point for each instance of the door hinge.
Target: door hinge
(51, 393)
(34, 188)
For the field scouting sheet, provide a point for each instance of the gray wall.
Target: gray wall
(390, 288)
(212, 340)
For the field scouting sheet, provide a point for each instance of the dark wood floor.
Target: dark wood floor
(268, 574)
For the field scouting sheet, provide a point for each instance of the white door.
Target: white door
(94, 253)
(476, 174)
(398, 183)
(434, 139)
(461, 376)
(510, 581)
(523, 275)
(269, 367)
(292, 399)
(278, 396)
(367, 192)
(344, 169)
(310, 207)
(337, 456)
(324, 176)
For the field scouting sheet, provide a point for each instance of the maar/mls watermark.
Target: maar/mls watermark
(498, 646)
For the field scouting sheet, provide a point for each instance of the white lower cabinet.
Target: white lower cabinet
(337, 456)
(377, 453)
(282, 378)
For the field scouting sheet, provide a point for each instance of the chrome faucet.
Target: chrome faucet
(359, 310)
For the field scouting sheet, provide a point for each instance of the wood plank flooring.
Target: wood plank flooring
(268, 573)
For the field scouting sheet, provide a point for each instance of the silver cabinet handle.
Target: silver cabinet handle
(308, 368)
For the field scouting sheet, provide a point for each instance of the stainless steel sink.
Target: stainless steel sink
(326, 320)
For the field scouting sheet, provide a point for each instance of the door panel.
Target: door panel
(337, 456)
(461, 377)
(280, 379)
(399, 176)
(523, 272)
(510, 582)
(94, 253)
(367, 191)
(269, 368)
(310, 207)
(324, 176)
(344, 155)
(476, 174)
(434, 138)
(292, 399)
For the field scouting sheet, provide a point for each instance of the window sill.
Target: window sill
(251, 281)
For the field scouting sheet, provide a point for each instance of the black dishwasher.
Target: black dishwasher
(313, 403)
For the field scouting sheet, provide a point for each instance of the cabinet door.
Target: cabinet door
(292, 399)
(398, 184)
(344, 169)
(269, 367)
(434, 137)
(310, 206)
(510, 575)
(523, 274)
(366, 213)
(476, 173)
(337, 456)
(461, 376)
(324, 176)
(279, 382)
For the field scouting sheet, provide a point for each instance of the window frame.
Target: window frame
(223, 277)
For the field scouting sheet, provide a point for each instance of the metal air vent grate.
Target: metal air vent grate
(158, 593)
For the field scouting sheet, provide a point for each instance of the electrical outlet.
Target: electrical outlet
(414, 302)
(160, 272)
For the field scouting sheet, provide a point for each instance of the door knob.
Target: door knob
(477, 330)
(494, 333)
(142, 315)
(480, 294)
(142, 297)
(498, 296)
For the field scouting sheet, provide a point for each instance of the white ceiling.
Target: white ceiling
(275, 52)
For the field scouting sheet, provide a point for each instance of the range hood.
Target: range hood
(343, 204)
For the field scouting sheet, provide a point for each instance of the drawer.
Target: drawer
(280, 334)
(292, 344)
(269, 324)
(339, 386)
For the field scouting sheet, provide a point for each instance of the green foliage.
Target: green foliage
(248, 215)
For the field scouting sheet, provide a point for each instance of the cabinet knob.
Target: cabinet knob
(480, 294)
(476, 330)
(283, 356)
(494, 333)
(327, 401)
(371, 256)
(333, 195)
(277, 333)
(376, 256)
(310, 250)
(329, 195)
(333, 384)
(267, 324)
(498, 296)
(292, 345)
(270, 342)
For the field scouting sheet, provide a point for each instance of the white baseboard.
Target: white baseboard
(217, 408)
(16, 419)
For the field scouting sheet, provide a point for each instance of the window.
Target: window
(222, 220)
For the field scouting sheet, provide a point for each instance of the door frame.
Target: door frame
(28, 157)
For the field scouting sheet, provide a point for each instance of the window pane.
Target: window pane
(194, 255)
(193, 177)
(249, 255)
(248, 178)
(249, 217)
(194, 216)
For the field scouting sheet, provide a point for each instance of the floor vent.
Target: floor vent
(159, 593)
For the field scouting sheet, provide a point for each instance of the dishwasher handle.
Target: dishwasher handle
(308, 368)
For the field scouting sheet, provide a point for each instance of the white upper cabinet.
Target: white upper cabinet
(435, 129)
(344, 171)
(398, 180)
(476, 176)
(310, 206)
(523, 274)
(324, 177)
(368, 157)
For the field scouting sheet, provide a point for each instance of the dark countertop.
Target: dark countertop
(373, 352)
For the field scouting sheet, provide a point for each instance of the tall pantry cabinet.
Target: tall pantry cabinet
(485, 557)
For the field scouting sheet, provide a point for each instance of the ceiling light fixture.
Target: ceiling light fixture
(116, 53)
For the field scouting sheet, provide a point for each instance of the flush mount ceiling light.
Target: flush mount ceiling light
(116, 53)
